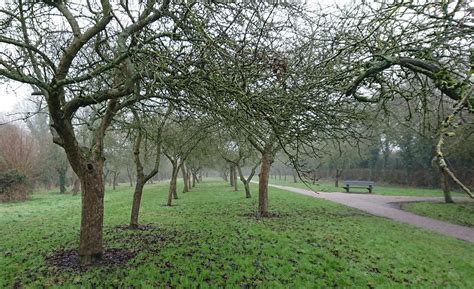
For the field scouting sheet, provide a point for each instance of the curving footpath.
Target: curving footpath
(389, 207)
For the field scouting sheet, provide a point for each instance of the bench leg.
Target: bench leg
(347, 189)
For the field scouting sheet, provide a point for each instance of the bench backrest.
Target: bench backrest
(359, 183)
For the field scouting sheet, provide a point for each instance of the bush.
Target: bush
(13, 186)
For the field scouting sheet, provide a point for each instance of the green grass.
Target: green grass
(461, 213)
(379, 189)
(210, 242)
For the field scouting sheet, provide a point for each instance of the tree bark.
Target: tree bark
(195, 179)
(245, 182)
(445, 185)
(137, 198)
(267, 159)
(114, 179)
(172, 190)
(185, 178)
(188, 178)
(92, 215)
(106, 176)
(129, 174)
(62, 180)
(231, 175)
(234, 167)
(89, 167)
(338, 176)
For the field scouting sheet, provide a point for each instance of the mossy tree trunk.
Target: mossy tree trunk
(337, 177)
(62, 179)
(234, 174)
(266, 162)
(445, 186)
(246, 182)
(231, 175)
(140, 174)
(185, 178)
(188, 178)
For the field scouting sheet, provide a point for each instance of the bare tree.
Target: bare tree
(401, 48)
(87, 65)
(156, 137)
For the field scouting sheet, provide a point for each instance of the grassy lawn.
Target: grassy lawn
(379, 189)
(461, 213)
(208, 239)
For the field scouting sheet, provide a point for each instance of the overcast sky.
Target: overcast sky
(13, 93)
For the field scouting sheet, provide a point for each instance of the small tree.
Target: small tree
(85, 67)
(152, 130)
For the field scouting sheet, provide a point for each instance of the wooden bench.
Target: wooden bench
(358, 184)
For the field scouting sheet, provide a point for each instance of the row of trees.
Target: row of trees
(273, 78)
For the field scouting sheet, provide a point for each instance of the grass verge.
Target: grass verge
(461, 213)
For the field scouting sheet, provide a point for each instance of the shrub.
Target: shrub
(14, 186)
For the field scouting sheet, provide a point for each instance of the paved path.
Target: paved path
(389, 207)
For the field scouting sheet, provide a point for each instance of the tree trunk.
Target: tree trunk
(129, 174)
(263, 181)
(175, 192)
(294, 178)
(185, 178)
(137, 198)
(445, 186)
(92, 215)
(247, 191)
(106, 176)
(235, 178)
(231, 175)
(172, 191)
(225, 177)
(62, 180)
(141, 177)
(188, 178)
(338, 176)
(114, 180)
(195, 179)
(245, 182)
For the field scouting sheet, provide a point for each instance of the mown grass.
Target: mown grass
(379, 189)
(207, 239)
(461, 213)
